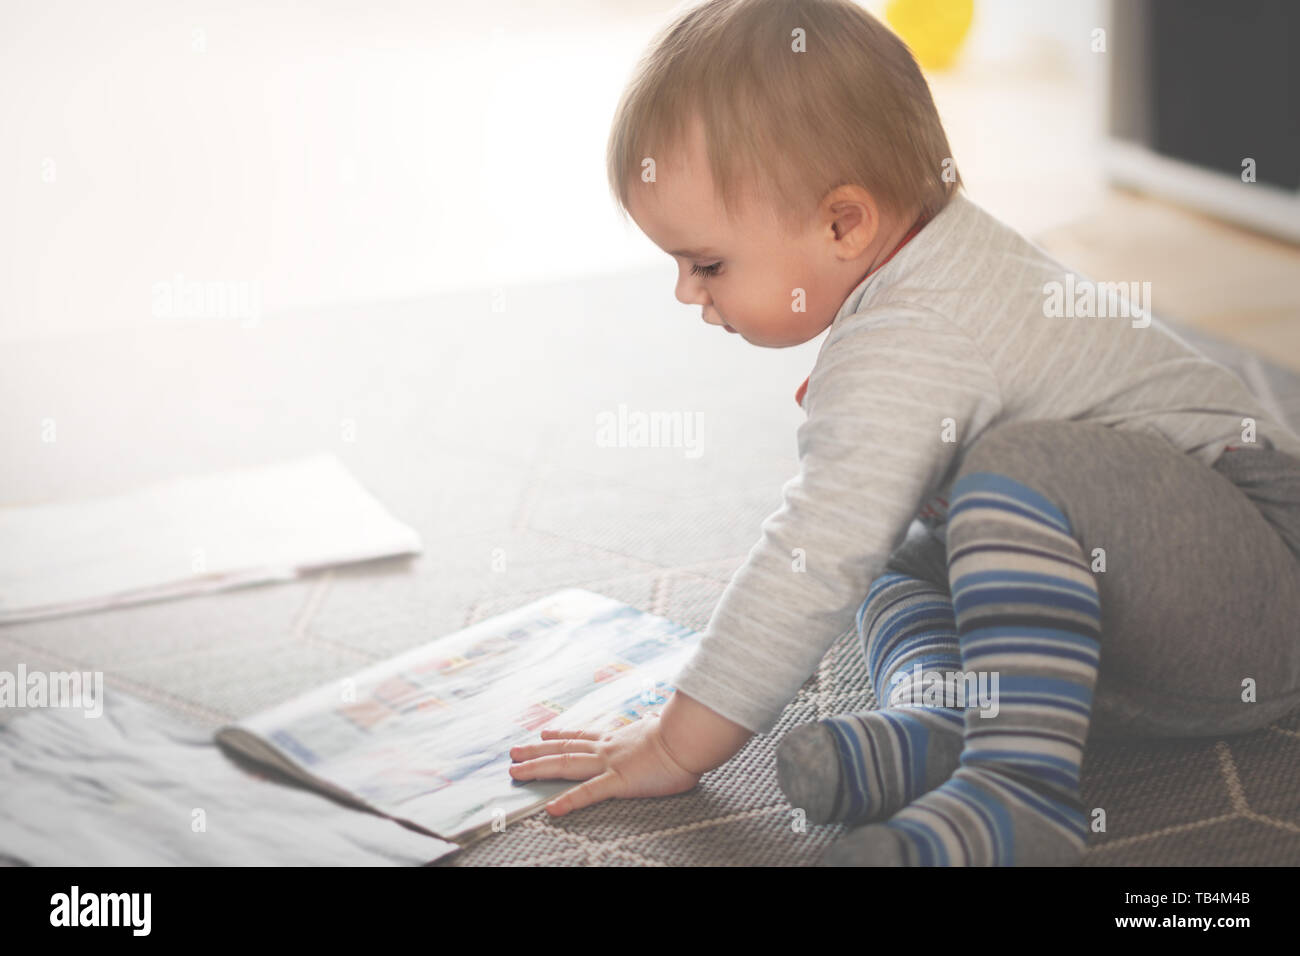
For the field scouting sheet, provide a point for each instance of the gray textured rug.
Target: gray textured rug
(477, 428)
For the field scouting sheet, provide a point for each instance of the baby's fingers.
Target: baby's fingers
(530, 751)
(584, 795)
(551, 733)
(566, 766)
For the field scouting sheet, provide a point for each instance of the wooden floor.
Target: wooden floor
(1229, 282)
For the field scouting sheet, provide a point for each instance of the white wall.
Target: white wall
(339, 151)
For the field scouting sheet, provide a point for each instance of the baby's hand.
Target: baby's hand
(631, 761)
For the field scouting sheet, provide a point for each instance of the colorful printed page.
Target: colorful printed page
(426, 737)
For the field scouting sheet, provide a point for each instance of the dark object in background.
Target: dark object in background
(1224, 85)
(1197, 87)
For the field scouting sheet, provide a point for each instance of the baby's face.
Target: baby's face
(744, 275)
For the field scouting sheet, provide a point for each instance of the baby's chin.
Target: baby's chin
(780, 341)
(765, 343)
(768, 339)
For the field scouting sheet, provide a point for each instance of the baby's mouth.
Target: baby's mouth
(705, 317)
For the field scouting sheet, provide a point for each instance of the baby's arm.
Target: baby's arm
(893, 398)
(872, 449)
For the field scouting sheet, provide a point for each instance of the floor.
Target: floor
(474, 425)
(1226, 281)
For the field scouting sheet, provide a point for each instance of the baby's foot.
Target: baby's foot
(858, 767)
(981, 817)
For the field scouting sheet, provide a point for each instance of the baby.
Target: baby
(1067, 507)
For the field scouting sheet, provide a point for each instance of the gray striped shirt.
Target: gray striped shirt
(968, 326)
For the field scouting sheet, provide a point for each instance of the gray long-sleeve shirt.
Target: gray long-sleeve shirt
(961, 330)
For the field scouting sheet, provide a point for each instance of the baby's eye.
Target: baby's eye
(706, 270)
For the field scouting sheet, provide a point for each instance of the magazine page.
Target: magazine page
(124, 790)
(426, 737)
(191, 535)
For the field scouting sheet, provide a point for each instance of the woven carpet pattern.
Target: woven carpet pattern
(473, 421)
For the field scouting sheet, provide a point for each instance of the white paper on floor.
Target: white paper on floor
(137, 787)
(190, 535)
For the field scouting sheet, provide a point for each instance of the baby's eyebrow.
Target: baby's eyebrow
(694, 253)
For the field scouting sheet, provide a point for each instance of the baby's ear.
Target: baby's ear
(854, 218)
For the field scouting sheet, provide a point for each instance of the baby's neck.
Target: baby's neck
(893, 233)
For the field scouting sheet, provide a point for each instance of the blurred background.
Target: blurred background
(339, 151)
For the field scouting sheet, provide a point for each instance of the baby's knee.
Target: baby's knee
(1074, 465)
(1026, 451)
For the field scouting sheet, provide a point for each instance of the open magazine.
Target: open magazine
(425, 737)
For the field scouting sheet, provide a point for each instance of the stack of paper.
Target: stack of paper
(190, 535)
(140, 788)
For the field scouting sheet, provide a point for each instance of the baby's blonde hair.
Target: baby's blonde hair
(780, 126)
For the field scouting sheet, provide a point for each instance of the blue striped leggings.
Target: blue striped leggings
(1196, 572)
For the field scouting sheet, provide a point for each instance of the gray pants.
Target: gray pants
(1201, 590)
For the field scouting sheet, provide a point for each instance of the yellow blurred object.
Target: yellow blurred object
(934, 29)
